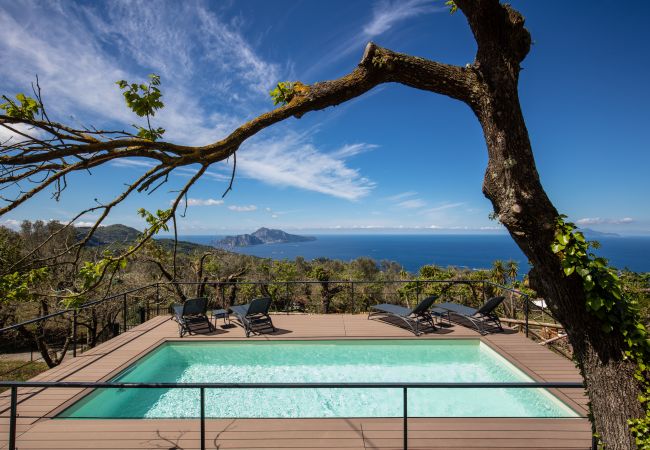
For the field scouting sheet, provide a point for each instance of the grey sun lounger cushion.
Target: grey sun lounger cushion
(254, 316)
(190, 314)
(411, 317)
(477, 317)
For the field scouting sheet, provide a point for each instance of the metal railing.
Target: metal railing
(14, 385)
(284, 291)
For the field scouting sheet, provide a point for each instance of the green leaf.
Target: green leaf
(452, 6)
(568, 270)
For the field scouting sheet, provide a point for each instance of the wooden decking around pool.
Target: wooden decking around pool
(37, 430)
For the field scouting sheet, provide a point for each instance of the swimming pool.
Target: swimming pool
(460, 360)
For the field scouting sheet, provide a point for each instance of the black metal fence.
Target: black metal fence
(201, 387)
(77, 329)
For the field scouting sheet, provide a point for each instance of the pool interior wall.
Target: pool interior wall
(404, 361)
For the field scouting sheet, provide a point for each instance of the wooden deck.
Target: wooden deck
(37, 430)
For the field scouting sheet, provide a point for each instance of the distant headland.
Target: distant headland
(262, 236)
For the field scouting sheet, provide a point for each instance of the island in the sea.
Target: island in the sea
(262, 236)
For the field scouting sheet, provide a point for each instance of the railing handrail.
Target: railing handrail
(14, 385)
(217, 282)
(325, 385)
(78, 308)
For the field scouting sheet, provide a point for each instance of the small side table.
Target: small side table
(221, 314)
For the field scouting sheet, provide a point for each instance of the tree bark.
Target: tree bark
(512, 184)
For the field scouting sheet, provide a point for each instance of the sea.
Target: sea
(414, 251)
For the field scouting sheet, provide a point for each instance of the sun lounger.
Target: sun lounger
(191, 314)
(411, 317)
(480, 317)
(254, 317)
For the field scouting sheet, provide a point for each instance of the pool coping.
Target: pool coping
(576, 408)
(108, 359)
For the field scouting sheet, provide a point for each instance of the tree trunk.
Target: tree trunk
(512, 185)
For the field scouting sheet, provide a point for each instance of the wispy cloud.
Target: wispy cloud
(9, 137)
(604, 221)
(11, 223)
(247, 208)
(131, 162)
(403, 195)
(296, 162)
(79, 51)
(348, 151)
(85, 224)
(386, 14)
(202, 202)
(212, 80)
(412, 204)
(442, 207)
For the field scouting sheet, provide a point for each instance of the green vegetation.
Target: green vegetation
(144, 100)
(282, 93)
(607, 300)
(16, 370)
(26, 108)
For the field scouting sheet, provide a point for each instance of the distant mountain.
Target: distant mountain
(110, 234)
(590, 234)
(121, 234)
(262, 236)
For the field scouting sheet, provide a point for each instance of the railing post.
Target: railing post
(406, 415)
(353, 299)
(74, 333)
(157, 299)
(12, 418)
(417, 292)
(202, 418)
(526, 307)
(287, 301)
(124, 314)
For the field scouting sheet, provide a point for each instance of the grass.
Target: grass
(12, 370)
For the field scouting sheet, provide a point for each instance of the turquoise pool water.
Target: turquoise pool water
(320, 361)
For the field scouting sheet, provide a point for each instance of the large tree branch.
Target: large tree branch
(68, 150)
(378, 65)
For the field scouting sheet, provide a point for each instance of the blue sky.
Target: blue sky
(394, 160)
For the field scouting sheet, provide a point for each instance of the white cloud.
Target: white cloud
(443, 207)
(80, 51)
(9, 137)
(604, 221)
(388, 13)
(294, 161)
(403, 195)
(348, 151)
(203, 202)
(242, 208)
(412, 204)
(385, 16)
(11, 223)
(85, 224)
(131, 162)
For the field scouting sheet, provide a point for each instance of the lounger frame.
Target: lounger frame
(192, 311)
(477, 317)
(411, 317)
(254, 316)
